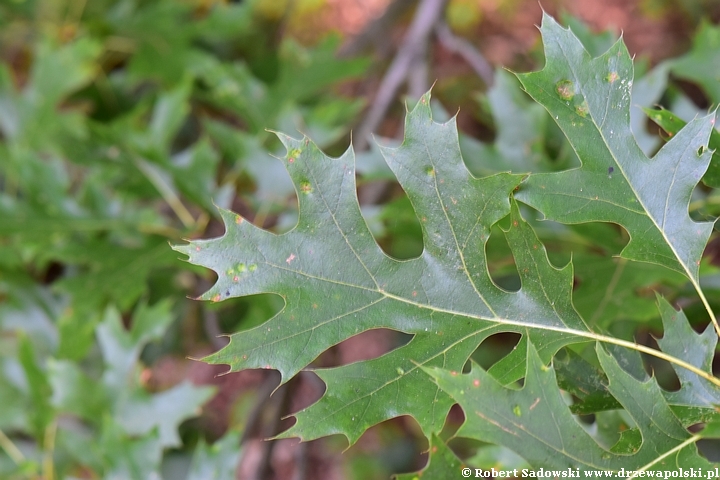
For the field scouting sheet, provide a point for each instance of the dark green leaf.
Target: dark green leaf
(672, 124)
(336, 282)
(536, 423)
(588, 383)
(681, 341)
(702, 64)
(590, 100)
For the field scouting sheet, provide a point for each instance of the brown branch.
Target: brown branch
(417, 78)
(254, 418)
(301, 461)
(467, 51)
(276, 406)
(209, 318)
(414, 45)
(211, 326)
(377, 29)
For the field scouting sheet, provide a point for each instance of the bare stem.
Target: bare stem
(163, 185)
(48, 464)
(713, 319)
(466, 50)
(11, 449)
(414, 45)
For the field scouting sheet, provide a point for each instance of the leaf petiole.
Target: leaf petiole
(11, 449)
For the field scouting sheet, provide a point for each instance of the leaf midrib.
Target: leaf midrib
(587, 334)
(500, 320)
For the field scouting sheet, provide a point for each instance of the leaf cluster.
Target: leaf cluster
(576, 353)
(124, 124)
(121, 125)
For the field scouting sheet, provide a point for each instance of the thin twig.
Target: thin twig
(302, 453)
(277, 407)
(414, 44)
(11, 449)
(377, 29)
(75, 13)
(301, 457)
(209, 318)
(48, 464)
(211, 325)
(467, 51)
(254, 418)
(164, 186)
(418, 76)
(705, 302)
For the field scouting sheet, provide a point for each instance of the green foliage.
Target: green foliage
(536, 423)
(445, 297)
(124, 124)
(336, 282)
(702, 64)
(590, 100)
(118, 133)
(672, 124)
